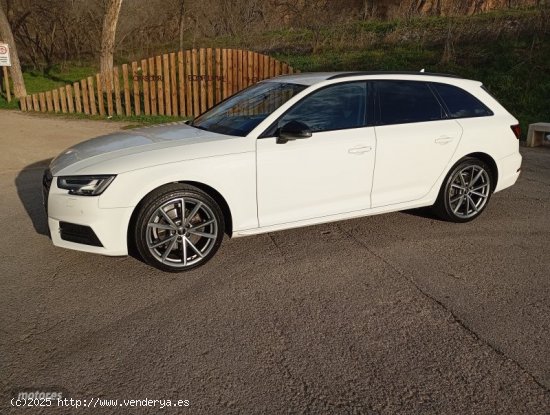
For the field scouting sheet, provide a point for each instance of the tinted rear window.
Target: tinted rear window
(461, 104)
(402, 102)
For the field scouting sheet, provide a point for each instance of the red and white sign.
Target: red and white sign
(4, 55)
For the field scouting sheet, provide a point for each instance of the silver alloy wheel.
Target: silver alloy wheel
(469, 191)
(181, 232)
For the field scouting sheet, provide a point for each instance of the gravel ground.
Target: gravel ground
(399, 313)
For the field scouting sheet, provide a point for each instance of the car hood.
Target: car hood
(133, 149)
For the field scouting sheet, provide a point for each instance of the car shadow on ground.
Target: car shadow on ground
(423, 212)
(29, 189)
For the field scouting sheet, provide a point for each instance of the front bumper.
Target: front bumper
(110, 226)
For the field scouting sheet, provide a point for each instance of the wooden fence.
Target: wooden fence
(184, 84)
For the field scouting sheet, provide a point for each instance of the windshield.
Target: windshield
(242, 112)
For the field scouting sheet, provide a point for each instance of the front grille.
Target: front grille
(46, 184)
(78, 234)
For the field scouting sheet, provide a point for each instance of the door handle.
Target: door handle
(444, 139)
(360, 150)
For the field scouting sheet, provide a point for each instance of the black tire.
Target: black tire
(156, 232)
(471, 201)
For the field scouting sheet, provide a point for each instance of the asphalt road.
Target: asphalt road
(399, 313)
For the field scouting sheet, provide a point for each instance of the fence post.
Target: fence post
(144, 78)
(173, 84)
(55, 94)
(63, 99)
(160, 89)
(43, 107)
(195, 71)
(99, 87)
(116, 87)
(257, 70)
(235, 67)
(181, 81)
(70, 103)
(91, 95)
(49, 103)
(107, 79)
(167, 89)
(209, 79)
(229, 73)
(250, 69)
(78, 103)
(152, 86)
(218, 75)
(202, 76)
(135, 83)
(189, 85)
(85, 100)
(126, 87)
(260, 67)
(166, 85)
(225, 77)
(246, 69)
(240, 69)
(35, 103)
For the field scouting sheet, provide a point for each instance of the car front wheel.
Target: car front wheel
(465, 192)
(178, 228)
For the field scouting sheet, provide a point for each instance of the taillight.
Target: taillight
(517, 130)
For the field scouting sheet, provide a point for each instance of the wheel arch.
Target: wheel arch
(216, 195)
(487, 159)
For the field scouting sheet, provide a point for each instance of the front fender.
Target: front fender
(233, 176)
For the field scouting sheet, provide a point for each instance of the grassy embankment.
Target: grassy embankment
(508, 51)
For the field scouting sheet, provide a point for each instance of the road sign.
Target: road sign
(5, 55)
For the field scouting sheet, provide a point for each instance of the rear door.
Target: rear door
(415, 140)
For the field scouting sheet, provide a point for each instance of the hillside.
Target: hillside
(392, 8)
(508, 50)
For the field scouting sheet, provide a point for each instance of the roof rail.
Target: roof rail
(360, 73)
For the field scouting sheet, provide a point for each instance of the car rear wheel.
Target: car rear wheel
(178, 228)
(465, 191)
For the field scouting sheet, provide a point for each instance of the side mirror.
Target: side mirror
(293, 130)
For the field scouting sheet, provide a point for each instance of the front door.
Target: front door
(326, 174)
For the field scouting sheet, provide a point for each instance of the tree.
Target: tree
(15, 69)
(181, 22)
(108, 33)
(367, 9)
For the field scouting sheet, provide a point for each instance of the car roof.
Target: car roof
(305, 78)
(312, 78)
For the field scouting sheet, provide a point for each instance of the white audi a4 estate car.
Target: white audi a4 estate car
(291, 151)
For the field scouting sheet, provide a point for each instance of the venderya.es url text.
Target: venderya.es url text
(102, 403)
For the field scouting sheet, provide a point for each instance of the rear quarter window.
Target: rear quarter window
(459, 103)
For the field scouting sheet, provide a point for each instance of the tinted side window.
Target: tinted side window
(402, 102)
(332, 108)
(461, 104)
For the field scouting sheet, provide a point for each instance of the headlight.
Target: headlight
(85, 185)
